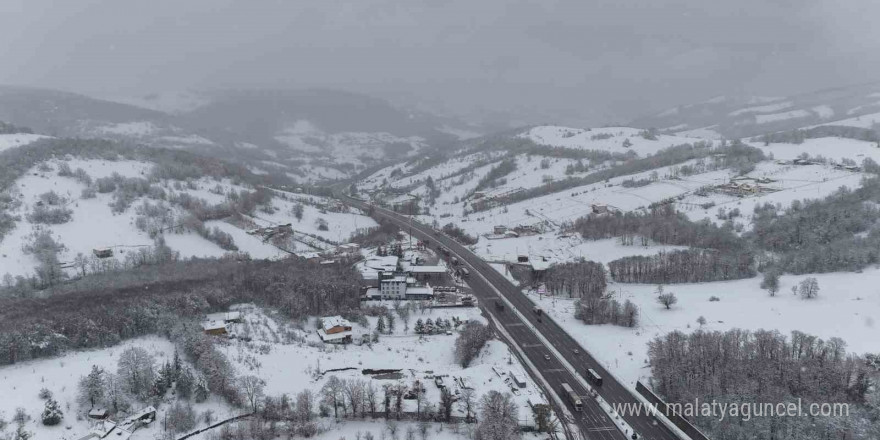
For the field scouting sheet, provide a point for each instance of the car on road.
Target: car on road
(547, 357)
(576, 351)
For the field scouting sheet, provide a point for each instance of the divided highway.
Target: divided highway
(592, 420)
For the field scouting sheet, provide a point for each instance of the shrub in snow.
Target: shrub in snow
(52, 414)
(45, 394)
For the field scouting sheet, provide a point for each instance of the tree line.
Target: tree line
(739, 366)
(683, 266)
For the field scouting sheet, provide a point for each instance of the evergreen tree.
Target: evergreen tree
(380, 324)
(200, 392)
(52, 414)
(185, 383)
(91, 387)
(420, 326)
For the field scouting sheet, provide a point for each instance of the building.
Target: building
(225, 317)
(418, 292)
(103, 252)
(517, 380)
(335, 330)
(215, 328)
(499, 229)
(393, 286)
(422, 273)
(599, 208)
(98, 413)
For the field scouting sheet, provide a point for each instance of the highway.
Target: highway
(592, 420)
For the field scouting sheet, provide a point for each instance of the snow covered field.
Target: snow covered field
(93, 224)
(845, 309)
(8, 141)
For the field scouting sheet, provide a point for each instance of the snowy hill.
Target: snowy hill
(63, 209)
(304, 136)
(736, 117)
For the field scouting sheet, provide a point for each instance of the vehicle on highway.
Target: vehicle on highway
(538, 311)
(454, 261)
(594, 377)
(465, 272)
(576, 351)
(499, 305)
(572, 397)
(547, 357)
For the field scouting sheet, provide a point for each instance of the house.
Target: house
(335, 330)
(225, 317)
(215, 328)
(98, 413)
(599, 208)
(103, 252)
(499, 229)
(372, 293)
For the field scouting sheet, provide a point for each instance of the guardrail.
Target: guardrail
(679, 421)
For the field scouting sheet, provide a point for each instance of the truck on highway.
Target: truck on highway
(594, 377)
(538, 311)
(572, 397)
(465, 272)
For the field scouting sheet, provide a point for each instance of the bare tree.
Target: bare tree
(468, 398)
(372, 399)
(136, 369)
(498, 417)
(252, 387)
(305, 401)
(446, 402)
(331, 392)
(809, 288)
(667, 299)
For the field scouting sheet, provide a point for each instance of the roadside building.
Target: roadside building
(335, 330)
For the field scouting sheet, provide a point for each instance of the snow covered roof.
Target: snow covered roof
(428, 290)
(427, 269)
(224, 316)
(213, 325)
(334, 321)
(539, 264)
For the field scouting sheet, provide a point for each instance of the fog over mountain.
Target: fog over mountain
(511, 62)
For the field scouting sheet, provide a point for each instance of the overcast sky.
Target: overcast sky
(591, 59)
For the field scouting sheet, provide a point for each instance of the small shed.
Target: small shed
(98, 413)
(103, 252)
(500, 229)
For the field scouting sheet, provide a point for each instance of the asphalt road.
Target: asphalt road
(592, 420)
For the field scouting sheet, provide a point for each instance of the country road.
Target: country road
(549, 341)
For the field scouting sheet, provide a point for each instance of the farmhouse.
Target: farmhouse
(335, 330)
(215, 328)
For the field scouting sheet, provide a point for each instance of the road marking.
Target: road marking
(555, 370)
(515, 324)
(532, 345)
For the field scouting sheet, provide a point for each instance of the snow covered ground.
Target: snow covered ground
(21, 383)
(94, 225)
(845, 308)
(8, 141)
(605, 139)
